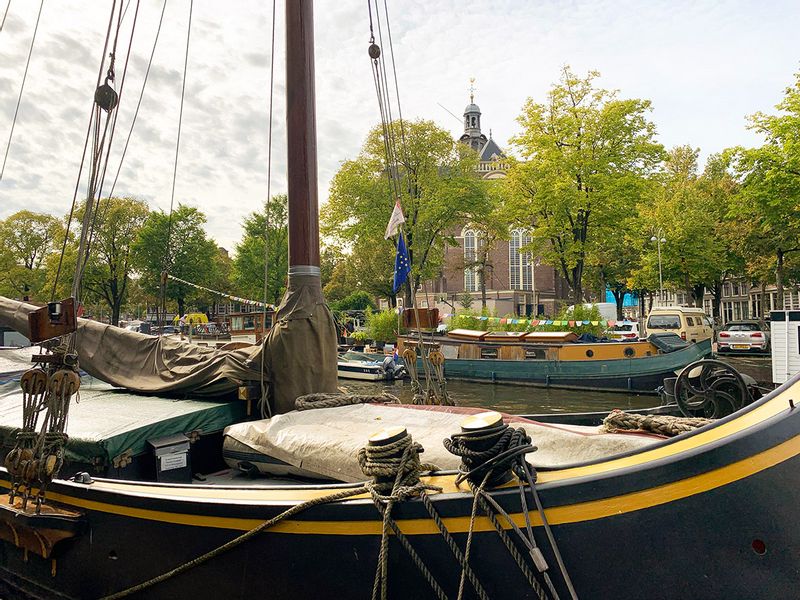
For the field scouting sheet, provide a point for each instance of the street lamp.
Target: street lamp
(659, 239)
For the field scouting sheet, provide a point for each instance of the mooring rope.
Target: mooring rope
(488, 455)
(323, 400)
(619, 420)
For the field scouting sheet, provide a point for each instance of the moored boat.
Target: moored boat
(558, 359)
(356, 365)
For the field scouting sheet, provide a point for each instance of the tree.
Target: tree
(582, 148)
(109, 269)
(490, 226)
(358, 300)
(248, 267)
(26, 240)
(770, 178)
(438, 189)
(189, 254)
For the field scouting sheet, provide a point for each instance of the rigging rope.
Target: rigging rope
(139, 103)
(83, 158)
(168, 241)
(266, 411)
(434, 377)
(5, 14)
(22, 86)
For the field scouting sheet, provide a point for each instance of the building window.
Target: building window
(520, 265)
(727, 311)
(470, 256)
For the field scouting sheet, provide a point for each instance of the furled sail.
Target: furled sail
(149, 364)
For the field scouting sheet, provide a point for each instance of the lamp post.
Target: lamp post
(659, 239)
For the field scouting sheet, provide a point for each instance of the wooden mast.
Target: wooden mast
(302, 137)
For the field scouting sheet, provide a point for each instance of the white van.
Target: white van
(608, 310)
(689, 322)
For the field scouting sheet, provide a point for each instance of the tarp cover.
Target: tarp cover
(146, 363)
(325, 441)
(105, 422)
(14, 362)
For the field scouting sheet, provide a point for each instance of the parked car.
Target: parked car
(689, 322)
(625, 331)
(743, 336)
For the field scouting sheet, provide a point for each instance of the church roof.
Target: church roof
(491, 149)
(472, 108)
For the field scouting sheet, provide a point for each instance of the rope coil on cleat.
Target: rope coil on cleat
(491, 453)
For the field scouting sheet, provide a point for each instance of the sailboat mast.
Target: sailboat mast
(302, 134)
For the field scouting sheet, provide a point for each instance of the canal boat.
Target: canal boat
(369, 367)
(706, 514)
(560, 360)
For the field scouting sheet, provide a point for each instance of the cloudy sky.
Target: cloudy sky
(705, 65)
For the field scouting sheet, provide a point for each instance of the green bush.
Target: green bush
(360, 336)
(382, 325)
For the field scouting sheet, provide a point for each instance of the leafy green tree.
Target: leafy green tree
(770, 178)
(358, 300)
(584, 149)
(438, 190)
(109, 269)
(270, 223)
(26, 240)
(183, 252)
(490, 224)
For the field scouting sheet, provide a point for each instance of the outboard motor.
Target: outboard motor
(392, 369)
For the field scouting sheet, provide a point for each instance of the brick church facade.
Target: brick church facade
(516, 283)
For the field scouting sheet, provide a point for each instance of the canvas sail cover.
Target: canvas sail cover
(149, 364)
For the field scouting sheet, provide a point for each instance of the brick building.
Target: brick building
(516, 283)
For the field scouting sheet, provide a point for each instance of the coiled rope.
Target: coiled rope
(619, 420)
(322, 400)
(488, 456)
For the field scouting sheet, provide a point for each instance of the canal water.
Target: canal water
(514, 399)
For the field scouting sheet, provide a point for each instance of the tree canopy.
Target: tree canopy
(26, 240)
(586, 153)
(270, 224)
(439, 190)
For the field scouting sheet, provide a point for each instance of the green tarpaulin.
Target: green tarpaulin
(106, 422)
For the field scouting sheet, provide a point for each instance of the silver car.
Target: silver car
(743, 336)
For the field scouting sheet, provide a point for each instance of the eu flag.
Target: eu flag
(402, 266)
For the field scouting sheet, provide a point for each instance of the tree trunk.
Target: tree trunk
(619, 300)
(407, 295)
(779, 280)
(115, 309)
(698, 293)
(181, 306)
(482, 277)
(717, 302)
(763, 303)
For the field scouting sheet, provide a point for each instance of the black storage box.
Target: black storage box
(173, 464)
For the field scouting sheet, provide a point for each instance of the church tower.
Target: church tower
(472, 122)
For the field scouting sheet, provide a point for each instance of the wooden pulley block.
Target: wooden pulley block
(436, 358)
(409, 355)
(29, 469)
(12, 461)
(50, 465)
(33, 382)
(64, 383)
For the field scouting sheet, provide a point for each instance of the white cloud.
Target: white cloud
(704, 65)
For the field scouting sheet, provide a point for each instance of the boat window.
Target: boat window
(664, 322)
(489, 352)
(534, 354)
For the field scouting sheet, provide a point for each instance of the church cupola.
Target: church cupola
(472, 119)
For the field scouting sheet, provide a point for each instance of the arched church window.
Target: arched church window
(520, 264)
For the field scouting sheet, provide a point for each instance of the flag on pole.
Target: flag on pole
(395, 220)
(402, 266)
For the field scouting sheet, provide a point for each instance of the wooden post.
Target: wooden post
(302, 136)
